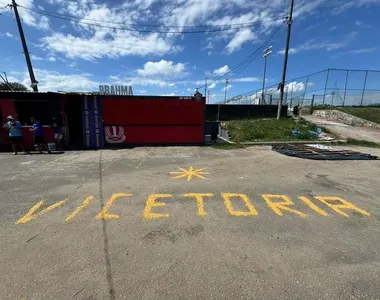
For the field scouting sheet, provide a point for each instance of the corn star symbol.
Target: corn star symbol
(189, 174)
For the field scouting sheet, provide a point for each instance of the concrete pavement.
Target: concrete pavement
(188, 223)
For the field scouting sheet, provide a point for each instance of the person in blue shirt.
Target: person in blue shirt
(15, 134)
(38, 135)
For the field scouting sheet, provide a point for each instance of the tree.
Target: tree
(14, 85)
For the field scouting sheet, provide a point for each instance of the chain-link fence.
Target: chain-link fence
(336, 87)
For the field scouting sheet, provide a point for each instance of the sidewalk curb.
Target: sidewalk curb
(284, 142)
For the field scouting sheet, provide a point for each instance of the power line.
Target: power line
(76, 20)
(258, 52)
(144, 25)
(249, 59)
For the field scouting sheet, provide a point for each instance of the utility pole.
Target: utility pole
(225, 90)
(208, 102)
(206, 87)
(267, 52)
(282, 85)
(33, 80)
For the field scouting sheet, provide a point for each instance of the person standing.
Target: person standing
(58, 136)
(38, 135)
(15, 134)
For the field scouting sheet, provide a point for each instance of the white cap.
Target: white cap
(10, 117)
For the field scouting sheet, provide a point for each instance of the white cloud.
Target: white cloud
(241, 37)
(315, 44)
(171, 94)
(248, 79)
(293, 87)
(55, 81)
(341, 6)
(141, 81)
(91, 42)
(209, 46)
(31, 18)
(162, 68)
(304, 7)
(116, 45)
(73, 65)
(143, 4)
(360, 24)
(8, 35)
(212, 85)
(52, 59)
(226, 87)
(364, 50)
(148, 82)
(221, 70)
(35, 57)
(333, 28)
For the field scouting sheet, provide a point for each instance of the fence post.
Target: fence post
(218, 112)
(365, 83)
(270, 99)
(345, 89)
(312, 101)
(327, 79)
(291, 94)
(286, 95)
(304, 91)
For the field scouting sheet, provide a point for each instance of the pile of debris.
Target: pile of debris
(318, 133)
(321, 152)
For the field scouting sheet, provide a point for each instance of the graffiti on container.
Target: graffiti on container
(115, 134)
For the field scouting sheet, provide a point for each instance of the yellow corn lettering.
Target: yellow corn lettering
(200, 201)
(279, 207)
(342, 204)
(104, 214)
(227, 201)
(152, 202)
(33, 213)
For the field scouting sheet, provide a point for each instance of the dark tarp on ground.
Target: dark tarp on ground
(304, 151)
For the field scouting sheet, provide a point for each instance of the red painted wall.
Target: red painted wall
(28, 137)
(7, 108)
(152, 111)
(153, 120)
(154, 134)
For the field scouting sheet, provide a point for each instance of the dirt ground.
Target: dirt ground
(346, 131)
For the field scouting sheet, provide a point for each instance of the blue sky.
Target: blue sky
(76, 57)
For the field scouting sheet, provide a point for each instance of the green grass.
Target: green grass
(370, 113)
(362, 143)
(261, 130)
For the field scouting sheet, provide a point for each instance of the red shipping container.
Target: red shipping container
(153, 120)
(153, 111)
(154, 134)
